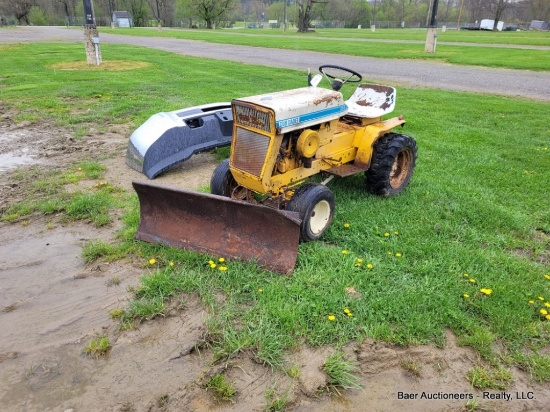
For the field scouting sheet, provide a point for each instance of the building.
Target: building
(122, 19)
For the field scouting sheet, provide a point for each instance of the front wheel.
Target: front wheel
(222, 182)
(315, 206)
(392, 165)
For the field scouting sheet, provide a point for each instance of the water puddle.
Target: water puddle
(9, 161)
(20, 152)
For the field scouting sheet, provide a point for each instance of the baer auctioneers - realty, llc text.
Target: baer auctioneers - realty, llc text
(505, 396)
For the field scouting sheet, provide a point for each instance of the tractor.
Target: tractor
(262, 200)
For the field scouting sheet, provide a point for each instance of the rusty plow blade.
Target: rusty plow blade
(218, 226)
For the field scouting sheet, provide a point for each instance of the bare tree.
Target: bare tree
(211, 11)
(305, 14)
(20, 9)
(498, 7)
(475, 9)
(157, 7)
(69, 9)
(112, 8)
(540, 9)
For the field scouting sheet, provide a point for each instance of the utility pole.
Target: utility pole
(431, 37)
(91, 35)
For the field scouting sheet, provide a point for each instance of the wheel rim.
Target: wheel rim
(320, 216)
(400, 169)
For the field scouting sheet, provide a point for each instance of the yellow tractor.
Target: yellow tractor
(262, 203)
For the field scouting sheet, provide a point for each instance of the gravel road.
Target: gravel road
(506, 82)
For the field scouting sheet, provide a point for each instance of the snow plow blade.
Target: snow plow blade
(218, 226)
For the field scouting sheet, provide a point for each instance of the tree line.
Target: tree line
(301, 15)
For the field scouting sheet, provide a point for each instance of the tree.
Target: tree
(211, 11)
(352, 12)
(540, 9)
(20, 9)
(69, 9)
(112, 8)
(305, 14)
(139, 12)
(498, 7)
(157, 7)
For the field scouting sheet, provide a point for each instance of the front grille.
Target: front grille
(250, 151)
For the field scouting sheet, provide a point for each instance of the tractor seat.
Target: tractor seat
(371, 101)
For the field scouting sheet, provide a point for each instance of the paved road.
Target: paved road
(512, 83)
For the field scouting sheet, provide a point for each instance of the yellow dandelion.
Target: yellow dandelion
(171, 263)
(472, 281)
(547, 304)
(152, 261)
(543, 312)
(531, 302)
(349, 314)
(221, 260)
(79, 169)
(346, 311)
(390, 252)
(396, 233)
(331, 317)
(547, 277)
(213, 265)
(370, 266)
(260, 290)
(223, 268)
(547, 317)
(210, 262)
(466, 275)
(386, 234)
(465, 296)
(344, 252)
(541, 298)
(486, 291)
(359, 260)
(346, 225)
(357, 265)
(398, 254)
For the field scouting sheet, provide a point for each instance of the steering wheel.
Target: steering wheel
(354, 77)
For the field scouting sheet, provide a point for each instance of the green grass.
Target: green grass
(47, 195)
(223, 389)
(532, 38)
(83, 98)
(276, 400)
(342, 373)
(98, 346)
(389, 44)
(486, 378)
(477, 205)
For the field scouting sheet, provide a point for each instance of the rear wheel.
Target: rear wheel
(222, 182)
(315, 205)
(392, 165)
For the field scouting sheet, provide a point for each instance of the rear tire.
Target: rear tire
(222, 182)
(315, 205)
(392, 165)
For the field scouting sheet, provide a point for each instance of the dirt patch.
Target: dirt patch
(112, 65)
(52, 304)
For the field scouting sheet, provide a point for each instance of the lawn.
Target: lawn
(485, 48)
(466, 247)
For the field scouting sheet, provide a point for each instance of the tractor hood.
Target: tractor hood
(299, 108)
